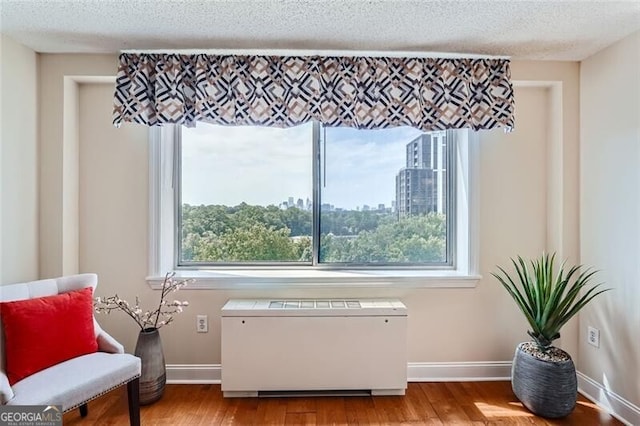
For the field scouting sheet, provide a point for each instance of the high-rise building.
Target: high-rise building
(421, 184)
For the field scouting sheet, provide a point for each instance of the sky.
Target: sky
(262, 165)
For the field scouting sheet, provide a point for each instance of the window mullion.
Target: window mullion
(316, 170)
(177, 193)
(452, 190)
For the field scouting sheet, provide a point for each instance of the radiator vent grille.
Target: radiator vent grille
(314, 304)
(313, 307)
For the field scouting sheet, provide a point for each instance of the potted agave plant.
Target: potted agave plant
(543, 377)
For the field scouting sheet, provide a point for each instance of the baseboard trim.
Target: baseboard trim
(625, 411)
(416, 372)
(458, 371)
(194, 374)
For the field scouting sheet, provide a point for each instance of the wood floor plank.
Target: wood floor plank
(445, 404)
(386, 407)
(408, 410)
(301, 405)
(271, 411)
(442, 404)
(300, 419)
(465, 401)
(435, 392)
(364, 410)
(418, 399)
(331, 411)
(496, 402)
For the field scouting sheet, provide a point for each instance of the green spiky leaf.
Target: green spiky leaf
(548, 299)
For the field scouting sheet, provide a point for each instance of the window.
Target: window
(244, 195)
(314, 196)
(384, 199)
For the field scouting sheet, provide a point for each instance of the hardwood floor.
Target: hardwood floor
(466, 403)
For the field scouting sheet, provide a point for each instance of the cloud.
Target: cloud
(262, 165)
(256, 165)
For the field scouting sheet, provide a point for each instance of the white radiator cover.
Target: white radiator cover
(314, 345)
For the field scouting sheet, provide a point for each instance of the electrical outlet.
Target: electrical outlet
(202, 324)
(593, 336)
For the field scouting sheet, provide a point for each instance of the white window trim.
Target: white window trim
(162, 234)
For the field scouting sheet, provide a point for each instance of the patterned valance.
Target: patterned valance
(283, 91)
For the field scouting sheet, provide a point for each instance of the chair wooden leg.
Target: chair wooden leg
(84, 410)
(133, 396)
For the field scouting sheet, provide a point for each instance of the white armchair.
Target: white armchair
(75, 382)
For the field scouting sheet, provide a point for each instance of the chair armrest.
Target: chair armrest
(6, 393)
(108, 344)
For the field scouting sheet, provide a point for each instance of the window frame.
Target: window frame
(163, 234)
(318, 167)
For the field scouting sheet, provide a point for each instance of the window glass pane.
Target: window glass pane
(246, 194)
(383, 196)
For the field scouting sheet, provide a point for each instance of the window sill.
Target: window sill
(240, 279)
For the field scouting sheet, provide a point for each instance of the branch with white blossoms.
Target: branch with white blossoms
(162, 315)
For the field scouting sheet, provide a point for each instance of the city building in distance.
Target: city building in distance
(421, 185)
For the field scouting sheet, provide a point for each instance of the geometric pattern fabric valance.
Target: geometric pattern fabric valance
(283, 91)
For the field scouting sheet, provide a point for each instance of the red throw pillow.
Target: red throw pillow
(45, 331)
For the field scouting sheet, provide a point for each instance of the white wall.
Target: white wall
(610, 213)
(19, 163)
(59, 165)
(519, 205)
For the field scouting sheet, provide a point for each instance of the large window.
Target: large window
(314, 195)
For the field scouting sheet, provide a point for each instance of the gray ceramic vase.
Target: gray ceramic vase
(548, 389)
(154, 373)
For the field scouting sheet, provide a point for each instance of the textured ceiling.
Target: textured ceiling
(553, 30)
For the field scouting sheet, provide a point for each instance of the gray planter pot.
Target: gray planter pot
(154, 374)
(547, 388)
